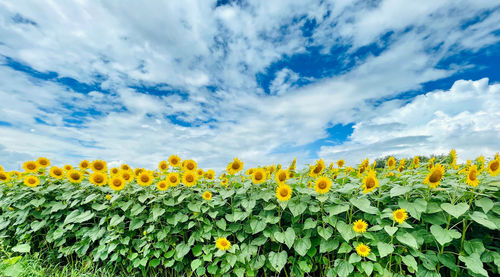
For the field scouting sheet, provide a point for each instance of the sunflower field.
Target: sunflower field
(423, 217)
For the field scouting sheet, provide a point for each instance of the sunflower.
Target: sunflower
(163, 165)
(223, 244)
(281, 176)
(145, 178)
(391, 162)
(125, 167)
(259, 176)
(4, 176)
(189, 179)
(340, 163)
(1, 168)
(434, 176)
(224, 181)
(249, 171)
(162, 185)
(199, 172)
(472, 176)
(114, 171)
(173, 179)
(207, 195)
(494, 167)
(84, 164)
(108, 196)
(174, 160)
(116, 183)
(363, 250)
(360, 226)
(283, 192)
(453, 154)
(138, 171)
(31, 181)
(416, 162)
(56, 172)
(98, 178)
(126, 175)
(74, 176)
(402, 165)
(210, 174)
(316, 170)
(17, 173)
(235, 166)
(370, 182)
(322, 185)
(189, 165)
(30, 166)
(68, 167)
(43, 162)
(99, 165)
(400, 215)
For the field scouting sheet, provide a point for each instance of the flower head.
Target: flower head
(223, 244)
(400, 215)
(363, 250)
(360, 226)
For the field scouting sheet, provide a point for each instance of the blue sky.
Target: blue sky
(265, 81)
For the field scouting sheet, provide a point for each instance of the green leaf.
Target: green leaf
(154, 262)
(22, 248)
(449, 261)
(410, 262)
(195, 264)
(474, 264)
(302, 246)
(407, 239)
(157, 212)
(37, 225)
(304, 266)
(367, 267)
(297, 208)
(328, 245)
(345, 230)
(70, 218)
(337, 209)
(390, 230)
(280, 237)
(194, 206)
(221, 223)
(483, 220)
(136, 209)
(289, 237)
(455, 210)
(257, 226)
(485, 203)
(136, 223)
(444, 236)
(181, 250)
(248, 205)
(87, 215)
(415, 209)
(277, 260)
(354, 258)
(399, 190)
(325, 233)
(344, 268)
(474, 246)
(384, 249)
(364, 205)
(345, 248)
(309, 224)
(116, 219)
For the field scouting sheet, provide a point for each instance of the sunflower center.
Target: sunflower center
(42, 162)
(282, 177)
(145, 178)
(163, 166)
(391, 163)
(98, 166)
(283, 192)
(258, 176)
(435, 176)
(235, 165)
(174, 161)
(31, 166)
(117, 182)
(317, 169)
(360, 226)
(361, 170)
(57, 172)
(75, 176)
(223, 243)
(85, 165)
(189, 178)
(370, 183)
(31, 181)
(472, 175)
(98, 179)
(322, 184)
(162, 185)
(399, 215)
(173, 179)
(3, 177)
(494, 166)
(190, 166)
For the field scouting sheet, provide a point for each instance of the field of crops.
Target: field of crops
(416, 216)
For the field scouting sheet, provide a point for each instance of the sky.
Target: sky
(265, 81)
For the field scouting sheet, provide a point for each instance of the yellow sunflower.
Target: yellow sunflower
(283, 192)
(99, 165)
(68, 167)
(84, 164)
(472, 173)
(43, 162)
(116, 183)
(173, 179)
(416, 162)
(74, 176)
(17, 173)
(114, 171)
(281, 176)
(4, 176)
(235, 166)
(207, 195)
(370, 182)
(391, 162)
(30, 166)
(223, 244)
(138, 171)
(189, 178)
(494, 167)
(249, 171)
(360, 226)
(174, 160)
(1, 168)
(340, 163)
(363, 250)
(145, 178)
(322, 185)
(108, 196)
(200, 173)
(224, 181)
(31, 181)
(189, 165)
(56, 172)
(125, 167)
(163, 165)
(400, 215)
(162, 185)
(434, 177)
(126, 175)
(316, 170)
(259, 176)
(98, 178)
